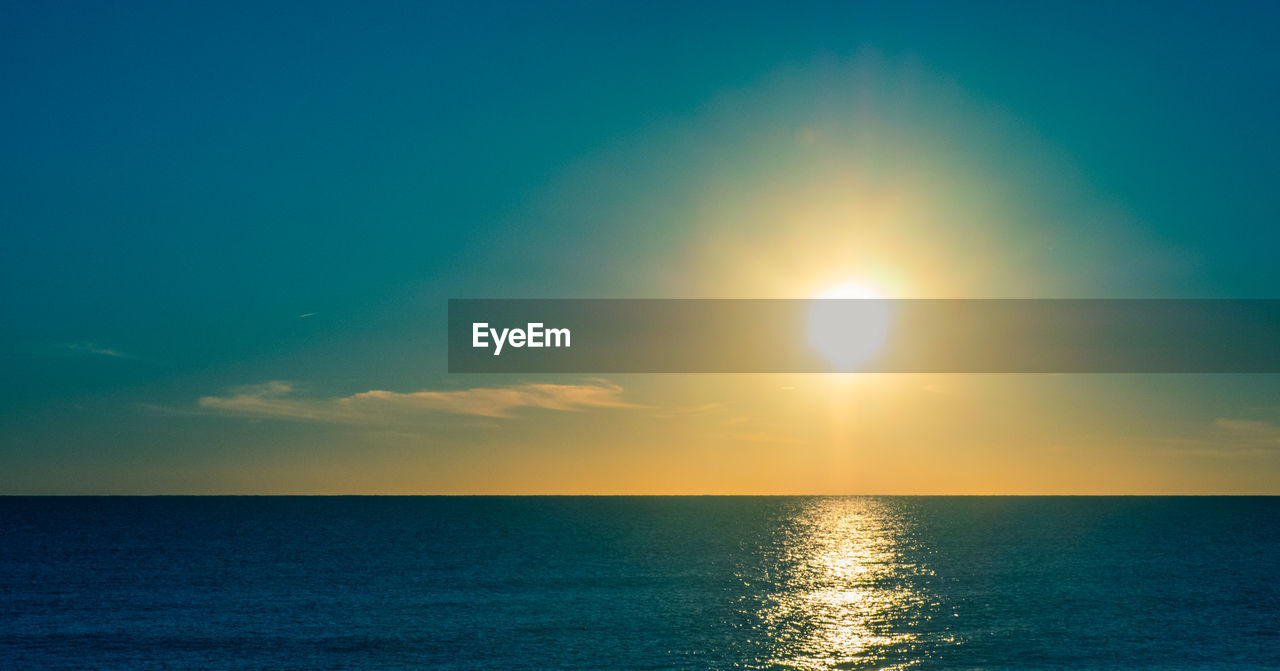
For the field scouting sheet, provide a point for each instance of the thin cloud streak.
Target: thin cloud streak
(91, 348)
(275, 400)
(1257, 433)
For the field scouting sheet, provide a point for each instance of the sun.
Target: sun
(848, 324)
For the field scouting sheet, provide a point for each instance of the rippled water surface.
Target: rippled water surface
(639, 583)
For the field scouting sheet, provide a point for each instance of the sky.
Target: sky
(230, 232)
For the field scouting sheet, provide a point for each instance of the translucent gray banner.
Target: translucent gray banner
(864, 335)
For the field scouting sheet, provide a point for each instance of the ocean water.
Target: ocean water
(639, 583)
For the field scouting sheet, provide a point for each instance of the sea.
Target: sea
(639, 582)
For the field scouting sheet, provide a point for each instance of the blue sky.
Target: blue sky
(180, 184)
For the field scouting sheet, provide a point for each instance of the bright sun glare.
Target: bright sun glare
(848, 324)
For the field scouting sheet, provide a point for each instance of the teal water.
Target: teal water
(639, 582)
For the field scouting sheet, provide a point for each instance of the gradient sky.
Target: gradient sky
(229, 233)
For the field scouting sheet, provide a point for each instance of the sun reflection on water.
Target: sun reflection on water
(851, 592)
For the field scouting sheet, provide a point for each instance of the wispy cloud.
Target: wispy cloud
(767, 436)
(276, 399)
(1229, 438)
(1251, 432)
(688, 410)
(746, 429)
(91, 348)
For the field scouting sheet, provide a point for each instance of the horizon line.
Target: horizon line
(420, 495)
